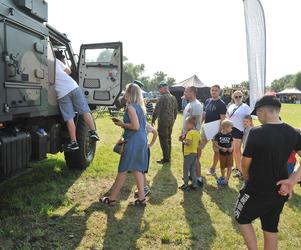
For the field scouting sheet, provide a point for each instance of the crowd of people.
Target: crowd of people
(267, 165)
(264, 165)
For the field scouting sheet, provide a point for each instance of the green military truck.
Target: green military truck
(31, 125)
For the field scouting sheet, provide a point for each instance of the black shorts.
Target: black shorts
(148, 158)
(266, 207)
(237, 134)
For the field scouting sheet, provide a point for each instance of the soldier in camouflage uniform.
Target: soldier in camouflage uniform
(166, 111)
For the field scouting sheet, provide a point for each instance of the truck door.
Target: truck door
(100, 72)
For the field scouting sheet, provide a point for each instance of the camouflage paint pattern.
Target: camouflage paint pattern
(27, 68)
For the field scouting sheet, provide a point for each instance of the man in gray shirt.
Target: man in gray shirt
(193, 109)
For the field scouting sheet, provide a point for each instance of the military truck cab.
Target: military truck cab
(31, 125)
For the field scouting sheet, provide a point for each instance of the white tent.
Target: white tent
(192, 81)
(290, 95)
(290, 91)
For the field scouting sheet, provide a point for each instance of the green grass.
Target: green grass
(55, 208)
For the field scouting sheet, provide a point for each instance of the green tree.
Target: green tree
(245, 85)
(105, 56)
(158, 77)
(297, 81)
(170, 81)
(282, 83)
(131, 72)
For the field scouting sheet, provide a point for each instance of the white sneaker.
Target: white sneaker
(211, 171)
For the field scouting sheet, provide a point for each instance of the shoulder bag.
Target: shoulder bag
(234, 110)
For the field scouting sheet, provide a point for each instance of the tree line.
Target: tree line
(288, 81)
(133, 72)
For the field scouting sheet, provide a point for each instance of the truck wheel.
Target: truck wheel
(80, 159)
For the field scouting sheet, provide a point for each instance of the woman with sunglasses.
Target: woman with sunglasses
(236, 113)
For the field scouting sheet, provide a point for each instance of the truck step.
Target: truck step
(15, 153)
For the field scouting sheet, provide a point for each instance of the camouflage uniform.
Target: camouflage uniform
(166, 111)
(120, 103)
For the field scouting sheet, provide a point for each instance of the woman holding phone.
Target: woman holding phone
(135, 156)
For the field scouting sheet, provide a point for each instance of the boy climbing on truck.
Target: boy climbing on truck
(71, 99)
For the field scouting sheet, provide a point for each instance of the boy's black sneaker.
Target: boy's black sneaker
(93, 135)
(71, 147)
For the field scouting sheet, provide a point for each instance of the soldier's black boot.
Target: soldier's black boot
(163, 161)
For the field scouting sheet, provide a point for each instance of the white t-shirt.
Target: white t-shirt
(64, 84)
(238, 117)
(194, 108)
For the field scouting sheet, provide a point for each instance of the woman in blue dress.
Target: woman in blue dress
(135, 156)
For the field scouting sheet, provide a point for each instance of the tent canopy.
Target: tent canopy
(290, 91)
(192, 81)
(203, 91)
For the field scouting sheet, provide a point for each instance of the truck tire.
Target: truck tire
(81, 158)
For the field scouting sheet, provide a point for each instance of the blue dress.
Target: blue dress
(135, 156)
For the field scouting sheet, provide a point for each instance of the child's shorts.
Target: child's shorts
(204, 141)
(291, 167)
(226, 161)
(73, 102)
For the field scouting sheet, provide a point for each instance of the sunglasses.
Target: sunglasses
(238, 96)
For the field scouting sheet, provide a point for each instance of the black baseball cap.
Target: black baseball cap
(266, 100)
(59, 54)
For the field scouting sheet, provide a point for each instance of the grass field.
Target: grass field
(55, 208)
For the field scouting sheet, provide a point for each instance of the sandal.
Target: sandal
(107, 201)
(184, 187)
(139, 203)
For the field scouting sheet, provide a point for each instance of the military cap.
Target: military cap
(162, 85)
(139, 83)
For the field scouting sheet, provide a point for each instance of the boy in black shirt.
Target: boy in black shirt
(264, 163)
(224, 142)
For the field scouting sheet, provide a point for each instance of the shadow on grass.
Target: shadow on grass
(25, 202)
(225, 198)
(36, 191)
(68, 231)
(164, 185)
(126, 190)
(199, 221)
(123, 233)
(26, 205)
(120, 233)
(295, 202)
